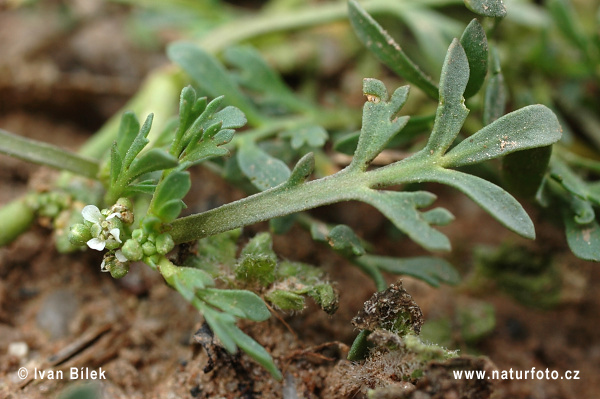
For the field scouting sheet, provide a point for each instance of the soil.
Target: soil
(59, 312)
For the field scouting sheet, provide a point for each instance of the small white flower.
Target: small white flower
(92, 214)
(120, 257)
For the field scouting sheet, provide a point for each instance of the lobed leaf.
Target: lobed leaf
(451, 112)
(493, 199)
(529, 127)
(401, 209)
(475, 44)
(380, 121)
(380, 43)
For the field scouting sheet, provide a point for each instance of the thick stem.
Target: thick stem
(278, 201)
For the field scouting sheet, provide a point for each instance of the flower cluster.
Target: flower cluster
(105, 230)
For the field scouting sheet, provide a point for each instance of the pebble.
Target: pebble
(56, 312)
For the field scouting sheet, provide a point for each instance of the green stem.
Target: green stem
(47, 154)
(17, 216)
(286, 199)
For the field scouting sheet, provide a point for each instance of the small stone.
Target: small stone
(18, 349)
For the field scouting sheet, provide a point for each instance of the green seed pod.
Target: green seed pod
(285, 300)
(132, 250)
(119, 269)
(164, 243)
(148, 248)
(79, 234)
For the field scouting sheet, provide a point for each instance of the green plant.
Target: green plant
(144, 176)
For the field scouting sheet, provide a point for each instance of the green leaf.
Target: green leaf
(451, 112)
(255, 351)
(302, 170)
(494, 200)
(343, 239)
(529, 127)
(571, 182)
(380, 121)
(487, 8)
(128, 130)
(258, 76)
(116, 163)
(380, 43)
(222, 324)
(311, 135)
(166, 203)
(475, 44)
(188, 280)
(212, 77)
(263, 170)
(401, 209)
(433, 32)
(434, 271)
(139, 142)
(150, 161)
(438, 216)
(230, 118)
(524, 171)
(240, 303)
(495, 92)
(583, 239)
(146, 187)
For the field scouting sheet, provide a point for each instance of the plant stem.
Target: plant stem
(277, 201)
(47, 154)
(284, 199)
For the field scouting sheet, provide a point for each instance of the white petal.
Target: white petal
(96, 244)
(120, 257)
(116, 233)
(113, 215)
(91, 213)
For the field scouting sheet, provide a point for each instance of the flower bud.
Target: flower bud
(79, 234)
(132, 250)
(148, 248)
(164, 243)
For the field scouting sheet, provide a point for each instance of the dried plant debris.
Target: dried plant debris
(439, 382)
(393, 310)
